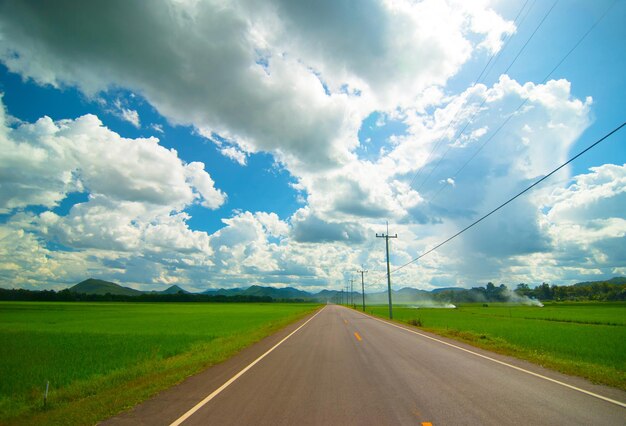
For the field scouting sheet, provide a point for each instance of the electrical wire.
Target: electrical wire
(531, 36)
(580, 40)
(506, 40)
(519, 25)
(543, 19)
(512, 198)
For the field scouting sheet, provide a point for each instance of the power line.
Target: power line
(477, 80)
(521, 22)
(506, 41)
(514, 197)
(545, 16)
(580, 40)
(531, 36)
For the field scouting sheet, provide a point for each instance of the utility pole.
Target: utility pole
(362, 286)
(352, 292)
(386, 237)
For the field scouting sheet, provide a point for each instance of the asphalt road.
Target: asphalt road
(344, 368)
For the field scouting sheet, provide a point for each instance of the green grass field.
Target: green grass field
(103, 357)
(584, 339)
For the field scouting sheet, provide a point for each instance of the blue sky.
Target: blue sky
(209, 146)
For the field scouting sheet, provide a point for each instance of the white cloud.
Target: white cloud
(586, 224)
(276, 80)
(200, 180)
(587, 218)
(297, 81)
(600, 194)
(46, 160)
(137, 193)
(131, 116)
(26, 262)
(486, 21)
(235, 154)
(272, 224)
(307, 228)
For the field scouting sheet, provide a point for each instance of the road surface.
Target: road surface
(341, 367)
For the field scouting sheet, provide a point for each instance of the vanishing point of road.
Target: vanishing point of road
(341, 367)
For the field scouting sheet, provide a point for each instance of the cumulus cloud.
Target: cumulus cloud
(589, 215)
(296, 80)
(27, 262)
(137, 193)
(205, 187)
(308, 228)
(538, 137)
(275, 81)
(402, 187)
(106, 224)
(131, 212)
(44, 161)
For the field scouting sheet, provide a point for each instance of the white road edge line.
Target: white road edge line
(217, 391)
(604, 398)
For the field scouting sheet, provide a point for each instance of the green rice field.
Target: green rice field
(103, 357)
(585, 339)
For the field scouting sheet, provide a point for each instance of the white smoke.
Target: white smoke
(513, 297)
(431, 304)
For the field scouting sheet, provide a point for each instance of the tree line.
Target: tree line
(597, 291)
(70, 296)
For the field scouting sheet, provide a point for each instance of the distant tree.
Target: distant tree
(544, 292)
(523, 289)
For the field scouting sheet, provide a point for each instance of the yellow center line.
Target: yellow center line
(357, 336)
(427, 424)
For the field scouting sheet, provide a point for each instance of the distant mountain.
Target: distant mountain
(411, 292)
(173, 290)
(223, 291)
(612, 281)
(260, 291)
(402, 296)
(327, 295)
(93, 286)
(277, 293)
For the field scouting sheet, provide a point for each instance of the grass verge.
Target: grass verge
(586, 340)
(95, 395)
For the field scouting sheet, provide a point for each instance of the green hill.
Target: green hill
(93, 286)
(223, 291)
(276, 293)
(173, 290)
(612, 281)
